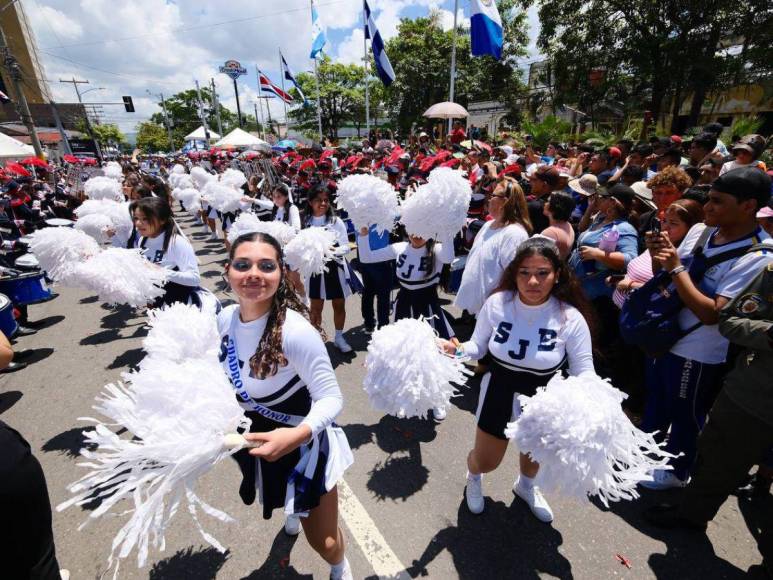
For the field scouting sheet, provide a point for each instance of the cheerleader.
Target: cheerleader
(336, 283)
(155, 233)
(283, 378)
(533, 325)
(254, 185)
(281, 208)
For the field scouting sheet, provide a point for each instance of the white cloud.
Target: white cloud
(57, 21)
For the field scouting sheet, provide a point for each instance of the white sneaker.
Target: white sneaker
(345, 574)
(439, 413)
(474, 494)
(342, 345)
(664, 479)
(65, 574)
(293, 525)
(535, 500)
(213, 237)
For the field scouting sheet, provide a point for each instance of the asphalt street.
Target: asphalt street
(402, 502)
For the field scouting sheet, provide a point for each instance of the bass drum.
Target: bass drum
(59, 223)
(27, 263)
(8, 323)
(25, 289)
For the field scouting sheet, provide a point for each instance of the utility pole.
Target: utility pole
(167, 122)
(258, 121)
(453, 62)
(270, 122)
(216, 102)
(201, 114)
(23, 108)
(60, 128)
(89, 129)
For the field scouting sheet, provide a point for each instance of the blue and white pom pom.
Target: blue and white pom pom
(576, 430)
(408, 374)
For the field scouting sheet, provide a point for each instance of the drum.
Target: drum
(59, 223)
(8, 323)
(27, 263)
(28, 288)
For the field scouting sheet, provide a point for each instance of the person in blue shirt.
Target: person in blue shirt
(376, 280)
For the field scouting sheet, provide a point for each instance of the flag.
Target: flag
(318, 36)
(266, 86)
(383, 66)
(288, 76)
(4, 98)
(486, 29)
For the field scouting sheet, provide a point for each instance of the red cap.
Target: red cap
(513, 169)
(676, 139)
(615, 152)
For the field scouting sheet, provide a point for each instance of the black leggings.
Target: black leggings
(26, 538)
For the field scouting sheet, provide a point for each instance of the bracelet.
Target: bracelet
(678, 270)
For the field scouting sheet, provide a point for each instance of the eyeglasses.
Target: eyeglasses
(265, 266)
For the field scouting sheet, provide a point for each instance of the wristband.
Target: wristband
(678, 270)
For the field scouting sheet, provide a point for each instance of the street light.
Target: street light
(94, 89)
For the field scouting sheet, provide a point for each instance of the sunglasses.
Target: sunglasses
(264, 266)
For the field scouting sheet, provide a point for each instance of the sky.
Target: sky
(146, 47)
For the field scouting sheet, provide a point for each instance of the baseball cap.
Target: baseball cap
(745, 183)
(754, 144)
(621, 193)
(548, 174)
(765, 212)
(676, 139)
(615, 152)
(587, 184)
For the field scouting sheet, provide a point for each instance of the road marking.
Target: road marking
(364, 531)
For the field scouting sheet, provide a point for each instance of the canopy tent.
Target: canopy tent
(240, 138)
(11, 148)
(200, 135)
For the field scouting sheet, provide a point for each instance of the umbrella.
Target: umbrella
(71, 159)
(479, 144)
(16, 169)
(287, 144)
(34, 161)
(88, 161)
(446, 110)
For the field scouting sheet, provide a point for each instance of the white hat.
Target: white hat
(644, 193)
(587, 185)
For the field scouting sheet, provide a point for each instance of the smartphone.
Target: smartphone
(656, 226)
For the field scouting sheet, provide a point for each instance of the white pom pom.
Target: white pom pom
(408, 375)
(201, 177)
(233, 178)
(222, 197)
(309, 251)
(183, 181)
(369, 201)
(117, 212)
(576, 430)
(248, 223)
(60, 250)
(96, 225)
(438, 209)
(180, 332)
(100, 187)
(121, 276)
(178, 168)
(114, 171)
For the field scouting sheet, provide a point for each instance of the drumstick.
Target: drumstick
(234, 440)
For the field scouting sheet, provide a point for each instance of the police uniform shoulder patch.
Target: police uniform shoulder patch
(749, 304)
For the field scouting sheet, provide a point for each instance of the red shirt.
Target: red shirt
(458, 135)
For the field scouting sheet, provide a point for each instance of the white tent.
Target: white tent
(200, 135)
(11, 148)
(240, 138)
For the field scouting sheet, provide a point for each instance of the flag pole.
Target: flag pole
(365, 60)
(453, 61)
(282, 74)
(260, 104)
(319, 102)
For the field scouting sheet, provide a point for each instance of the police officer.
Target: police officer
(739, 431)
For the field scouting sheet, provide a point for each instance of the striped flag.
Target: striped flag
(266, 86)
(318, 36)
(288, 76)
(486, 29)
(383, 66)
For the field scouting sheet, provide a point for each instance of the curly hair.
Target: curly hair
(671, 175)
(567, 287)
(269, 355)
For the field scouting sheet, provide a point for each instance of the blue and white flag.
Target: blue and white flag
(486, 29)
(318, 36)
(383, 66)
(289, 77)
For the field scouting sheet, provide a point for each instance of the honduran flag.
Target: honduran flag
(383, 66)
(486, 29)
(266, 86)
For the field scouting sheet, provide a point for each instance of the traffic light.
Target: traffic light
(128, 104)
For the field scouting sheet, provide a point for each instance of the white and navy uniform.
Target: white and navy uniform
(183, 282)
(340, 280)
(418, 286)
(528, 345)
(277, 214)
(305, 391)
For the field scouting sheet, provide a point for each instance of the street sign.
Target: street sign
(233, 69)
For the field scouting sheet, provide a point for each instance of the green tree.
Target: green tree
(108, 134)
(183, 111)
(421, 58)
(152, 137)
(341, 97)
(642, 54)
